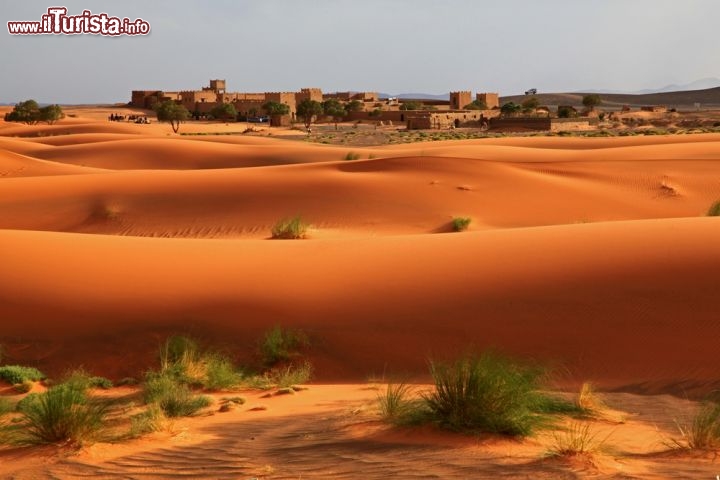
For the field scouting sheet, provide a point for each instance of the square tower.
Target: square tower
(492, 100)
(458, 100)
(217, 86)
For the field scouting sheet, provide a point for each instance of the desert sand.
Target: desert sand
(593, 256)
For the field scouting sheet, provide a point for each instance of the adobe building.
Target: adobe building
(204, 100)
(491, 100)
(439, 119)
(459, 100)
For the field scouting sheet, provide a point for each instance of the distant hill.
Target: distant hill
(678, 99)
(702, 84)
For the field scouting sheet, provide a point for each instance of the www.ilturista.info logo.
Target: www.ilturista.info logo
(58, 22)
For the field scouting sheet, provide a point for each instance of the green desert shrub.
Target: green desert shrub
(182, 360)
(220, 374)
(174, 398)
(290, 375)
(151, 420)
(281, 345)
(714, 210)
(703, 433)
(290, 228)
(489, 393)
(6, 406)
(577, 439)
(352, 156)
(14, 374)
(61, 414)
(395, 402)
(82, 380)
(460, 224)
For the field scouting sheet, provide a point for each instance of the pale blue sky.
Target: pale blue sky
(392, 46)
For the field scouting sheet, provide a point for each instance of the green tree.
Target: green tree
(276, 108)
(26, 112)
(565, 111)
(309, 110)
(51, 114)
(224, 111)
(354, 106)
(591, 101)
(510, 108)
(530, 104)
(476, 105)
(411, 105)
(171, 112)
(335, 109)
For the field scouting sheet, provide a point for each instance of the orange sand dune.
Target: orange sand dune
(68, 127)
(16, 165)
(621, 303)
(577, 248)
(381, 196)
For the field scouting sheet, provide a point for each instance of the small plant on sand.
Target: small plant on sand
(82, 380)
(714, 210)
(182, 359)
(577, 439)
(587, 401)
(282, 345)
(153, 419)
(220, 373)
(290, 228)
(61, 414)
(395, 402)
(460, 224)
(290, 375)
(175, 399)
(490, 393)
(352, 156)
(703, 433)
(6, 408)
(15, 374)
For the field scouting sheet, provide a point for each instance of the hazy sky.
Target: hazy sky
(392, 46)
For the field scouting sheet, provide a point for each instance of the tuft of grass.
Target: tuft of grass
(489, 393)
(588, 401)
(220, 374)
(179, 356)
(282, 345)
(15, 374)
(714, 210)
(290, 375)
(352, 156)
(290, 229)
(151, 420)
(61, 414)
(175, 399)
(395, 403)
(82, 380)
(577, 439)
(460, 224)
(704, 431)
(182, 360)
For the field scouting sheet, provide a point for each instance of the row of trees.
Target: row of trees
(531, 104)
(31, 113)
(307, 110)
